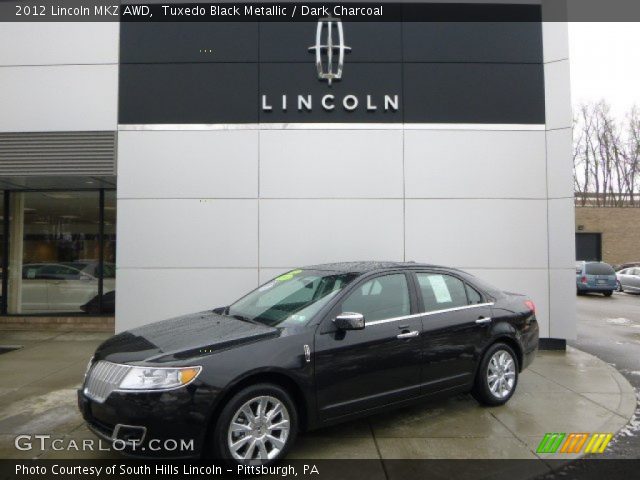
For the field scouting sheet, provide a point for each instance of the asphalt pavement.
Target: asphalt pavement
(609, 328)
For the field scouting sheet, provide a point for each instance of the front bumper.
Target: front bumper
(169, 424)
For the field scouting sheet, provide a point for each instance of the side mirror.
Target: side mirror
(349, 321)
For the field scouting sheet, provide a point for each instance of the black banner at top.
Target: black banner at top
(300, 11)
(348, 11)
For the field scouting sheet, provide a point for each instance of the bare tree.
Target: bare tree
(606, 157)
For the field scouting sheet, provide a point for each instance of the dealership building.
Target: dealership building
(182, 164)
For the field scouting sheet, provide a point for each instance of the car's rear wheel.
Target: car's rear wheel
(608, 293)
(257, 426)
(497, 376)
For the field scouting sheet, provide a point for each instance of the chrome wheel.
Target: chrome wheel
(501, 374)
(259, 429)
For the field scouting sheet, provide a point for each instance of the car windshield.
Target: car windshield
(290, 299)
(599, 269)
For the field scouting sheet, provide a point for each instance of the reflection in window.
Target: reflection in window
(54, 256)
(381, 298)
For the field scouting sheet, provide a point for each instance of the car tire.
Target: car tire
(494, 393)
(619, 288)
(608, 293)
(275, 446)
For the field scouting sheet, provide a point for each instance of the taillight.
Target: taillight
(530, 305)
(583, 280)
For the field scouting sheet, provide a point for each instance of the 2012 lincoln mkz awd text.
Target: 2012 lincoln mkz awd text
(315, 346)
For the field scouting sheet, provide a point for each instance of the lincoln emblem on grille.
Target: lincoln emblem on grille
(330, 55)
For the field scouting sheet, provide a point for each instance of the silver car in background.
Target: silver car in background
(629, 280)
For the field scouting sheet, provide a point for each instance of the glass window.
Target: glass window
(290, 299)
(380, 298)
(441, 291)
(599, 269)
(472, 295)
(53, 268)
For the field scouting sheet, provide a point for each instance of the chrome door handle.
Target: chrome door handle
(483, 320)
(411, 334)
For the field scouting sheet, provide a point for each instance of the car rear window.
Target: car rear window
(599, 269)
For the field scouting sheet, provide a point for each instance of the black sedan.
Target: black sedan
(312, 347)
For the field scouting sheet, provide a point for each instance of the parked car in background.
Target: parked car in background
(63, 286)
(629, 280)
(597, 277)
(625, 265)
(315, 346)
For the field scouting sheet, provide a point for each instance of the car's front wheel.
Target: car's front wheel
(619, 287)
(497, 376)
(257, 426)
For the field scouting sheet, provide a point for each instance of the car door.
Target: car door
(357, 370)
(632, 279)
(455, 328)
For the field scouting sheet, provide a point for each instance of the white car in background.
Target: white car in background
(629, 280)
(63, 286)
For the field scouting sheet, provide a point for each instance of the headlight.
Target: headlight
(149, 378)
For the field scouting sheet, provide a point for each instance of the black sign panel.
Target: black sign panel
(414, 72)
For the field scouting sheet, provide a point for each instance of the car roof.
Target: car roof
(371, 266)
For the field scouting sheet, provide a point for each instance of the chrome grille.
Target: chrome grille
(104, 378)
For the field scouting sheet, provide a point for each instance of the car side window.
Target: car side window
(472, 295)
(440, 292)
(380, 298)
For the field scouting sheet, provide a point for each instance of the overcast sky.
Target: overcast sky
(605, 64)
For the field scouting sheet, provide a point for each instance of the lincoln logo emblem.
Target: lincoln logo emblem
(328, 68)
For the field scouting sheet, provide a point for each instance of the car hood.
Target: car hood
(181, 337)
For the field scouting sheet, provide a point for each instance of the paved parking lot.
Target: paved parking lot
(610, 329)
(562, 392)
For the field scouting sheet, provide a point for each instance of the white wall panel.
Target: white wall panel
(533, 283)
(267, 274)
(300, 232)
(557, 95)
(146, 296)
(331, 163)
(562, 302)
(562, 246)
(477, 233)
(560, 163)
(58, 43)
(70, 97)
(475, 164)
(555, 41)
(185, 164)
(188, 233)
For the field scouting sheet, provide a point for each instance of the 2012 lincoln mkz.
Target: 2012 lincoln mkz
(312, 347)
